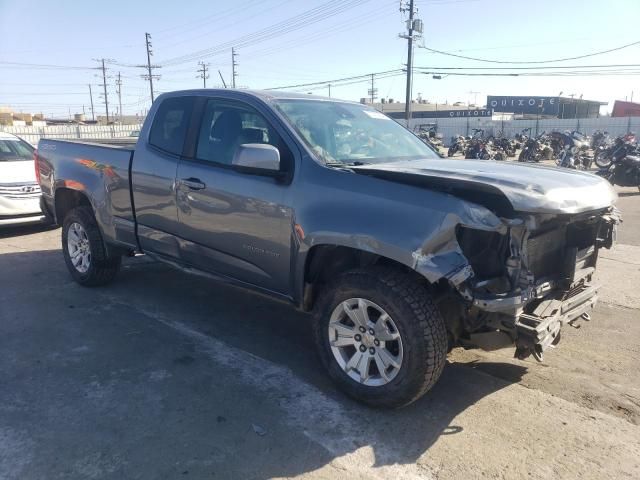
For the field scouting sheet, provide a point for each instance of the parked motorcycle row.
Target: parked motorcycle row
(617, 158)
(479, 147)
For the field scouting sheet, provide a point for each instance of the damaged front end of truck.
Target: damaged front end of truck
(523, 277)
(514, 257)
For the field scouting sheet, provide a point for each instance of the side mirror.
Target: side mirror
(257, 158)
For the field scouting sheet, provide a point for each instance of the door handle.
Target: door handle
(193, 183)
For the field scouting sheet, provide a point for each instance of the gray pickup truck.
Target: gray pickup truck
(339, 210)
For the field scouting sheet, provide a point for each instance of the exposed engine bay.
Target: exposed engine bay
(536, 277)
(529, 276)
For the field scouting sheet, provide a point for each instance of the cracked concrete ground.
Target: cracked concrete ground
(164, 375)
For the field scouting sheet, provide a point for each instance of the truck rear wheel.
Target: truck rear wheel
(380, 336)
(84, 251)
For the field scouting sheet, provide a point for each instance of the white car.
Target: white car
(19, 191)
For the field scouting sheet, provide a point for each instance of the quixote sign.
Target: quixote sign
(534, 105)
(443, 114)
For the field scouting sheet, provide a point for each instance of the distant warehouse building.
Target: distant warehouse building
(625, 109)
(421, 109)
(544, 107)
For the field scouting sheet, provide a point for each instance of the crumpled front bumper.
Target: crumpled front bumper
(536, 313)
(540, 329)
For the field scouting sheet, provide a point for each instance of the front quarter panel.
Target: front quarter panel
(410, 225)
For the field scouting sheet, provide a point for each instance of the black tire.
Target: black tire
(523, 156)
(602, 160)
(418, 321)
(102, 266)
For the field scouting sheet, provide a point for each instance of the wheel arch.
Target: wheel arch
(325, 261)
(67, 199)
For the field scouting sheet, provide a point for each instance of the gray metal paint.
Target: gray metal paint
(529, 188)
(260, 231)
(100, 172)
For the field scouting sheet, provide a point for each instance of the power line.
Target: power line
(585, 73)
(533, 68)
(228, 23)
(348, 24)
(216, 17)
(44, 66)
(531, 62)
(366, 77)
(329, 9)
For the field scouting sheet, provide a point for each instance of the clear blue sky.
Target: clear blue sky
(359, 40)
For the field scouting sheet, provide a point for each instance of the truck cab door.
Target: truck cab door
(153, 175)
(234, 223)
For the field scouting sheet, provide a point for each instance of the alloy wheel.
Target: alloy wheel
(365, 342)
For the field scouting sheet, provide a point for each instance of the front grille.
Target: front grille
(19, 190)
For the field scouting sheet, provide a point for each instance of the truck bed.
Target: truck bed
(97, 169)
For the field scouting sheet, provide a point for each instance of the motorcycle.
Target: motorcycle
(535, 149)
(621, 147)
(624, 172)
(429, 135)
(504, 146)
(458, 144)
(522, 137)
(599, 138)
(574, 150)
(477, 146)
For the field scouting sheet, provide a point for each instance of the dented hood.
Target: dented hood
(527, 188)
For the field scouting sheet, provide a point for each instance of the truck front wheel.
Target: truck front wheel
(380, 336)
(84, 251)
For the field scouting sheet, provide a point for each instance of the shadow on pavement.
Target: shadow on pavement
(91, 382)
(20, 230)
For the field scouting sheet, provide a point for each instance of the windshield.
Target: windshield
(15, 149)
(345, 133)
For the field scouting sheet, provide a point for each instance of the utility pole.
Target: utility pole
(149, 75)
(203, 73)
(93, 115)
(373, 91)
(222, 78)
(234, 64)
(475, 97)
(119, 92)
(104, 85)
(414, 30)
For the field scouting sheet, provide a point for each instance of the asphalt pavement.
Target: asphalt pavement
(165, 375)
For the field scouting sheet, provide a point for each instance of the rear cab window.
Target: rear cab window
(170, 124)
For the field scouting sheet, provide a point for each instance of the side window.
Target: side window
(170, 124)
(227, 125)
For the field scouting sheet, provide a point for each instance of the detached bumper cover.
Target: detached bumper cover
(540, 329)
